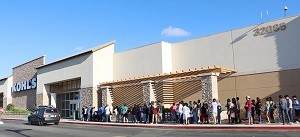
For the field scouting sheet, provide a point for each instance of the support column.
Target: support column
(148, 91)
(53, 99)
(106, 96)
(209, 86)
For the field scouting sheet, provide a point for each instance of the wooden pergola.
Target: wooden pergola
(169, 87)
(172, 75)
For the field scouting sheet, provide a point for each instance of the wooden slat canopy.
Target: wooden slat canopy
(177, 74)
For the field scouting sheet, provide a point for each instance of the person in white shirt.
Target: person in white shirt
(108, 112)
(214, 107)
(186, 114)
(180, 112)
(290, 108)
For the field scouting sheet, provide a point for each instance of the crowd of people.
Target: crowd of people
(197, 112)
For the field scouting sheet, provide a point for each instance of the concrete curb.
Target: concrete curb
(203, 127)
(210, 127)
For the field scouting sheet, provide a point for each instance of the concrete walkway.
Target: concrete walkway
(271, 126)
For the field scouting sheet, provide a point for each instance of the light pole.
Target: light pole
(285, 9)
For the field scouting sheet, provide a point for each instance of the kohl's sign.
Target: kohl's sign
(25, 85)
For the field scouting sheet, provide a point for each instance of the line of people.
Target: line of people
(195, 112)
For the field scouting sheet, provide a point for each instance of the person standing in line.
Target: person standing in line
(228, 106)
(283, 109)
(267, 109)
(101, 113)
(173, 112)
(124, 113)
(116, 113)
(296, 106)
(248, 106)
(253, 110)
(238, 113)
(233, 111)
(135, 112)
(272, 108)
(160, 112)
(85, 113)
(219, 107)
(108, 113)
(194, 111)
(214, 107)
(203, 114)
(82, 113)
(180, 112)
(150, 111)
(186, 114)
(146, 112)
(258, 109)
(154, 111)
(198, 108)
(290, 108)
(89, 113)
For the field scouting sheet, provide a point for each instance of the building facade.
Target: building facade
(261, 60)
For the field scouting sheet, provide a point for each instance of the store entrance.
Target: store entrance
(71, 103)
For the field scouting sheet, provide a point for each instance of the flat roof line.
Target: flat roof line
(30, 61)
(80, 54)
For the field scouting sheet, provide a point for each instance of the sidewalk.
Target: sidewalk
(264, 126)
(272, 126)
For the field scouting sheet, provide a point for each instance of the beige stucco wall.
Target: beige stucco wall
(252, 54)
(103, 65)
(148, 60)
(202, 52)
(261, 85)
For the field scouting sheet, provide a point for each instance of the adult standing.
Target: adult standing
(194, 111)
(290, 107)
(248, 106)
(134, 112)
(85, 113)
(228, 106)
(296, 106)
(283, 109)
(238, 113)
(272, 108)
(89, 112)
(124, 113)
(267, 109)
(186, 114)
(258, 109)
(219, 107)
(108, 113)
(180, 112)
(198, 108)
(154, 110)
(173, 112)
(146, 112)
(214, 107)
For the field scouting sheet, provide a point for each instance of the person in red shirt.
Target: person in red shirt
(248, 106)
(154, 111)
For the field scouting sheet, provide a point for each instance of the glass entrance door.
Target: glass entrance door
(71, 104)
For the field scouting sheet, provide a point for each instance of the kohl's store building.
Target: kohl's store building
(66, 83)
(260, 60)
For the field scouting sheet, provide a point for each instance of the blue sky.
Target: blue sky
(55, 28)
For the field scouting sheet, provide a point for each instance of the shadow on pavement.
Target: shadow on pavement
(19, 131)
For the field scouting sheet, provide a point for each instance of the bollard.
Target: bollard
(74, 115)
